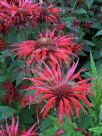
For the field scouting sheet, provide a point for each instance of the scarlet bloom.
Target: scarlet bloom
(63, 94)
(88, 25)
(76, 24)
(48, 14)
(48, 47)
(21, 13)
(12, 129)
(3, 45)
(14, 94)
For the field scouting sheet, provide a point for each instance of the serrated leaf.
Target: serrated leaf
(89, 3)
(99, 33)
(101, 8)
(81, 11)
(87, 42)
(96, 130)
(97, 25)
(93, 67)
(100, 115)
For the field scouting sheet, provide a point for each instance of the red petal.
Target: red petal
(46, 96)
(48, 106)
(71, 71)
(67, 107)
(77, 106)
(60, 112)
(83, 98)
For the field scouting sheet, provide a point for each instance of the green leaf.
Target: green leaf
(100, 115)
(68, 21)
(89, 3)
(97, 25)
(3, 78)
(99, 33)
(6, 111)
(87, 42)
(85, 121)
(93, 67)
(101, 8)
(81, 11)
(96, 130)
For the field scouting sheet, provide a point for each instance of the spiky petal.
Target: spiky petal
(63, 94)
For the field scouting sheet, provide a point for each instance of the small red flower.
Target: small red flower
(76, 23)
(3, 45)
(13, 94)
(48, 14)
(88, 25)
(12, 129)
(48, 47)
(63, 94)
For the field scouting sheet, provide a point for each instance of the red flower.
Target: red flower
(76, 24)
(12, 129)
(88, 25)
(20, 14)
(13, 94)
(3, 45)
(61, 93)
(48, 47)
(48, 14)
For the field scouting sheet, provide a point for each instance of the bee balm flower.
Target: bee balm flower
(48, 47)
(61, 93)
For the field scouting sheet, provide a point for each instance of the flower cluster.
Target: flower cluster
(14, 94)
(22, 12)
(46, 58)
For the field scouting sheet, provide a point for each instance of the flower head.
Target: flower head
(48, 14)
(12, 129)
(13, 93)
(88, 25)
(76, 24)
(49, 47)
(63, 94)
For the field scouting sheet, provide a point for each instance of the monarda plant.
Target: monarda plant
(49, 58)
